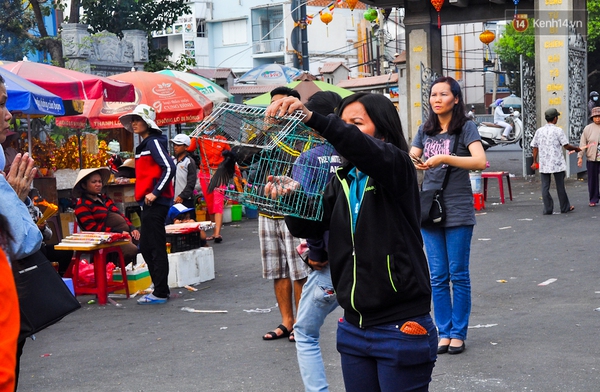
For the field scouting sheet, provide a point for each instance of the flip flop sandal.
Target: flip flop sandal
(273, 335)
(292, 337)
(210, 238)
(218, 239)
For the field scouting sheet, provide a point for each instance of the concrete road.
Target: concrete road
(533, 325)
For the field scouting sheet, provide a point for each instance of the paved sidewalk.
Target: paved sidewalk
(524, 336)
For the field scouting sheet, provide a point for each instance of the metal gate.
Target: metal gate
(529, 114)
(428, 76)
(577, 86)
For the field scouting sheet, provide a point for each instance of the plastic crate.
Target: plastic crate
(181, 242)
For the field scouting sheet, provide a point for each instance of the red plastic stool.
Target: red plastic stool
(478, 201)
(102, 286)
(498, 175)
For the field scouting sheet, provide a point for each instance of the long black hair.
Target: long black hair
(384, 115)
(459, 118)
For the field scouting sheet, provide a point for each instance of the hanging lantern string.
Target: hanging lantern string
(437, 4)
(352, 4)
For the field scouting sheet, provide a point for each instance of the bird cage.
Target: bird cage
(269, 146)
(243, 125)
(301, 158)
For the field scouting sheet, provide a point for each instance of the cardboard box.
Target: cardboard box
(137, 280)
(67, 223)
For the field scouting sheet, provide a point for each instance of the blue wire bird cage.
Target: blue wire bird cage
(281, 147)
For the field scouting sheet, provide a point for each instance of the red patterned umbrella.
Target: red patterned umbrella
(175, 102)
(71, 85)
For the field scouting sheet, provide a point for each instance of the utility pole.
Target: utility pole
(299, 37)
(304, 37)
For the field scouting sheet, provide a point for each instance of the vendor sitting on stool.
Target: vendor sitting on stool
(96, 211)
(178, 213)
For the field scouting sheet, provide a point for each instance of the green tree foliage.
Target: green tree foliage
(593, 27)
(18, 28)
(509, 48)
(148, 15)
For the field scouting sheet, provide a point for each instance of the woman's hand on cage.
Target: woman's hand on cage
(287, 105)
(280, 186)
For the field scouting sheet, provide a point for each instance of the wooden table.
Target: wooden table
(98, 255)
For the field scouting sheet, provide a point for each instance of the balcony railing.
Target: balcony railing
(268, 46)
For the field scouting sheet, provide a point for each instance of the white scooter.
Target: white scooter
(491, 134)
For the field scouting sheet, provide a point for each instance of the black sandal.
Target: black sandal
(273, 335)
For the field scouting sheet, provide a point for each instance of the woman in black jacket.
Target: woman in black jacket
(387, 339)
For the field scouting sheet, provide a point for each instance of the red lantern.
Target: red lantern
(437, 4)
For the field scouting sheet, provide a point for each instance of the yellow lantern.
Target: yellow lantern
(486, 38)
(326, 17)
(352, 4)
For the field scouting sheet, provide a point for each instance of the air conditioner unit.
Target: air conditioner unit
(261, 47)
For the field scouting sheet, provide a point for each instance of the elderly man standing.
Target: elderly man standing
(548, 155)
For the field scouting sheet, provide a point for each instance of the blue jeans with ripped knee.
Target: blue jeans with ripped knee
(317, 301)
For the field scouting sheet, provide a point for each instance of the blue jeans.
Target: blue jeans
(317, 301)
(382, 358)
(448, 250)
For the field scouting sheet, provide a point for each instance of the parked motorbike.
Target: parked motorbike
(491, 134)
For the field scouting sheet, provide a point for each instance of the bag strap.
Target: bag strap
(447, 177)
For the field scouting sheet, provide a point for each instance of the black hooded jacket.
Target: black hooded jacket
(378, 269)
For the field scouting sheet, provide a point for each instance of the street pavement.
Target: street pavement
(533, 324)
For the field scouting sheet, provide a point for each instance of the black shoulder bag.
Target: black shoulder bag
(44, 298)
(433, 210)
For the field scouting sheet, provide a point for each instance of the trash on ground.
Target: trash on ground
(502, 281)
(112, 301)
(547, 282)
(525, 219)
(258, 310)
(505, 227)
(189, 299)
(192, 310)
(190, 288)
(484, 239)
(482, 326)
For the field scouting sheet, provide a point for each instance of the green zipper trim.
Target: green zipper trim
(346, 189)
(390, 274)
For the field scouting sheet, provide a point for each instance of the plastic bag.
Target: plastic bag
(86, 272)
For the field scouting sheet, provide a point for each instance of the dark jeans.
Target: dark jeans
(593, 170)
(382, 358)
(153, 247)
(563, 199)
